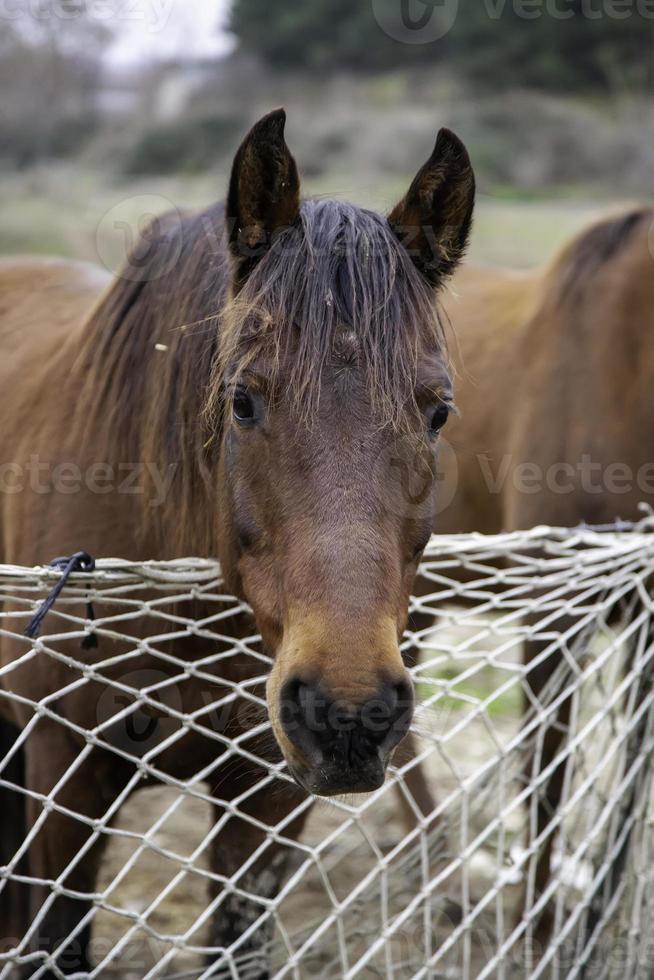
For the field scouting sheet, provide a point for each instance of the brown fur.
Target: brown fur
(554, 364)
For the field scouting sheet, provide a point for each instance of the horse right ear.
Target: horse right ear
(433, 219)
(264, 193)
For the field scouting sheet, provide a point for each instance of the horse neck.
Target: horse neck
(142, 373)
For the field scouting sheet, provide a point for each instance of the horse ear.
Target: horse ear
(433, 220)
(264, 192)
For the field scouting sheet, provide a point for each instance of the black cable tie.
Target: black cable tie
(90, 641)
(81, 561)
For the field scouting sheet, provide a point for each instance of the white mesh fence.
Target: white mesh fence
(534, 732)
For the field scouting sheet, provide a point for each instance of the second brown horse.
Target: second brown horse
(555, 389)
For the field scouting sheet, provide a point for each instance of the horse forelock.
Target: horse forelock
(337, 286)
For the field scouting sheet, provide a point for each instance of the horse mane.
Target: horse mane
(158, 348)
(575, 268)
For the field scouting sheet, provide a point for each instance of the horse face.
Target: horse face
(333, 393)
(323, 526)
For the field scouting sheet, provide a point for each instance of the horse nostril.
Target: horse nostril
(404, 693)
(306, 699)
(386, 718)
(301, 712)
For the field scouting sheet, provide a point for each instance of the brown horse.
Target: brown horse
(556, 395)
(271, 366)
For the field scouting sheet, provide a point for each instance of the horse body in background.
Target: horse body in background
(271, 366)
(556, 395)
(555, 386)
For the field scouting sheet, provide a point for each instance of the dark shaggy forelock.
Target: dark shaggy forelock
(340, 268)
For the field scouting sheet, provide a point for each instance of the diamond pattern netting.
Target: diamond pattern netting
(532, 658)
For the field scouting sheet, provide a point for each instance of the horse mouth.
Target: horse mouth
(331, 779)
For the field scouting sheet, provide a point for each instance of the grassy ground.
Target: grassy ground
(78, 215)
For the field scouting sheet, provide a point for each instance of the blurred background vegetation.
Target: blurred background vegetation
(572, 45)
(553, 98)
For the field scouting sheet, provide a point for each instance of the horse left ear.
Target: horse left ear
(264, 193)
(433, 220)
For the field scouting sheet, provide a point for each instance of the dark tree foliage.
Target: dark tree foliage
(549, 44)
(319, 34)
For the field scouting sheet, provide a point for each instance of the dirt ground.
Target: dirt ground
(344, 864)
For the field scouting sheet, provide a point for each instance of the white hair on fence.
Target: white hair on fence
(455, 896)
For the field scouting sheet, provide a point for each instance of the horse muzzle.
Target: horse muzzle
(340, 746)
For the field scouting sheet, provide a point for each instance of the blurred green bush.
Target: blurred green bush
(550, 45)
(184, 146)
(24, 141)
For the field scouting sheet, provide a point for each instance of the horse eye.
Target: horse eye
(438, 417)
(243, 407)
